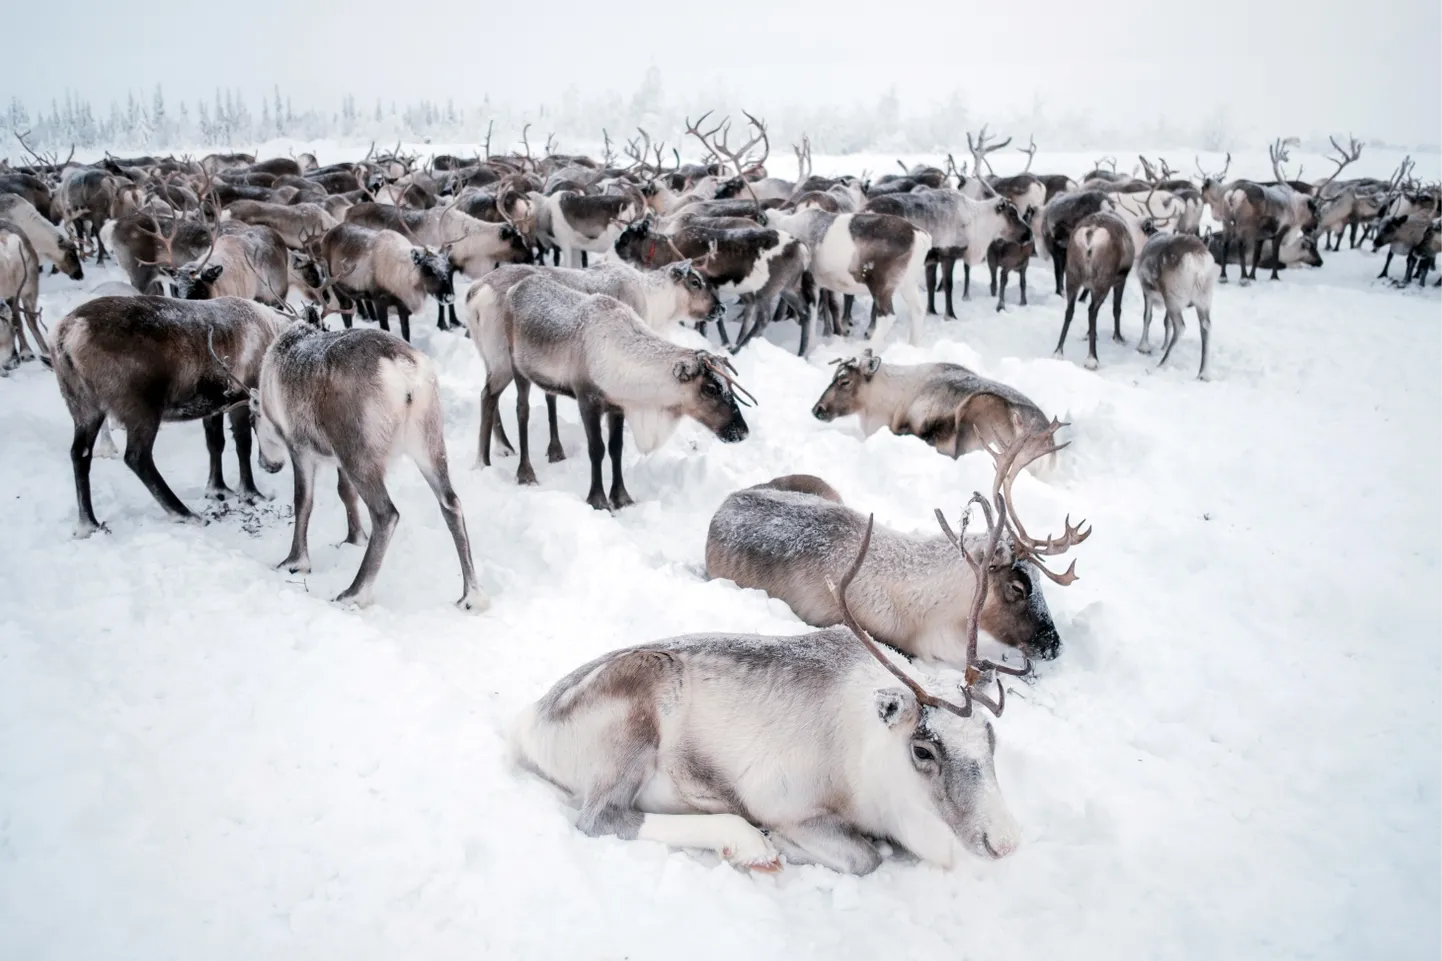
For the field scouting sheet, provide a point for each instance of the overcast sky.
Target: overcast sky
(1373, 68)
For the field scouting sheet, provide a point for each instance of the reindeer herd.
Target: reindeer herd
(828, 747)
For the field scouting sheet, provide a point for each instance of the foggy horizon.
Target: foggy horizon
(1332, 72)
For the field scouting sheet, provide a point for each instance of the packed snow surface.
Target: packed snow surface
(1236, 755)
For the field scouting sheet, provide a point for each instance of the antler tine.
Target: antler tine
(1009, 462)
(849, 619)
(210, 345)
(1347, 155)
(760, 136)
(1030, 151)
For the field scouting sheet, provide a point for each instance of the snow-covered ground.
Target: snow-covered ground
(1236, 756)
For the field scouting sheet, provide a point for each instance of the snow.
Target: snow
(1236, 755)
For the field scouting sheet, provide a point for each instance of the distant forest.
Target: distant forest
(151, 121)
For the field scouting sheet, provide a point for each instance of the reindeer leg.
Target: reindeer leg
(1353, 242)
(555, 453)
(1204, 321)
(440, 316)
(215, 488)
(1117, 292)
(302, 468)
(405, 319)
(370, 483)
(930, 286)
(828, 841)
(991, 266)
(1058, 265)
(1176, 324)
(614, 423)
(87, 428)
(1226, 252)
(381, 313)
(347, 308)
(1144, 346)
(948, 283)
(965, 280)
(1386, 265)
(139, 457)
(1066, 321)
(591, 410)
(1257, 254)
(354, 532)
(99, 244)
(1276, 256)
(432, 463)
(525, 473)
(847, 302)
(1000, 297)
(240, 430)
(1093, 309)
(1021, 274)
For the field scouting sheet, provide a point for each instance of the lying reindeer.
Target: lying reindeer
(792, 536)
(144, 360)
(825, 741)
(597, 350)
(357, 398)
(945, 405)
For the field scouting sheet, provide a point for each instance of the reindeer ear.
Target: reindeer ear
(688, 368)
(417, 255)
(210, 274)
(896, 707)
(871, 366)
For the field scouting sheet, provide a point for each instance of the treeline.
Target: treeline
(150, 121)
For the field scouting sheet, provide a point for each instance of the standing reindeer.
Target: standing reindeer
(1099, 259)
(357, 398)
(144, 360)
(594, 348)
(1176, 271)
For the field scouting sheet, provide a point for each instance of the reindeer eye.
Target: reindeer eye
(710, 389)
(923, 753)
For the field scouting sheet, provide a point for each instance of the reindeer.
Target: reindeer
(792, 536)
(90, 197)
(1059, 219)
(1176, 271)
(948, 406)
(1413, 236)
(876, 254)
(48, 240)
(1254, 211)
(297, 224)
(1297, 249)
(357, 398)
(144, 243)
(33, 189)
(19, 292)
(757, 264)
(659, 297)
(143, 360)
(863, 760)
(1009, 255)
(597, 350)
(1100, 257)
(386, 269)
(960, 227)
(241, 261)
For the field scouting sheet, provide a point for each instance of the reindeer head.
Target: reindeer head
(847, 391)
(195, 280)
(954, 758)
(70, 260)
(1014, 226)
(1015, 612)
(713, 397)
(435, 270)
(701, 301)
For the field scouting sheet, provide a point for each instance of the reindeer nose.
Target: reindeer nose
(819, 412)
(999, 846)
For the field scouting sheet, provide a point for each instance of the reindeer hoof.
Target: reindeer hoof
(555, 454)
(253, 496)
(295, 565)
(191, 520)
(752, 851)
(1118, 339)
(1144, 348)
(475, 601)
(84, 529)
(354, 599)
(620, 500)
(526, 476)
(1091, 363)
(25, 356)
(598, 501)
(217, 493)
(356, 537)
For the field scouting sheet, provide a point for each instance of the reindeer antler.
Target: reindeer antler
(1345, 156)
(979, 150)
(1030, 151)
(738, 156)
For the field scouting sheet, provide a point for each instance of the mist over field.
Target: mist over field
(1236, 74)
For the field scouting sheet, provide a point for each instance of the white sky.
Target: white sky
(1297, 67)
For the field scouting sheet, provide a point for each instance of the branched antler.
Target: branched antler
(979, 149)
(1002, 522)
(738, 156)
(1345, 156)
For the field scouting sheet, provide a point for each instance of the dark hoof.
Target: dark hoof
(525, 476)
(599, 501)
(295, 565)
(356, 537)
(218, 493)
(555, 454)
(620, 499)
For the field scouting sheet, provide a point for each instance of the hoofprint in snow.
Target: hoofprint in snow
(1235, 755)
